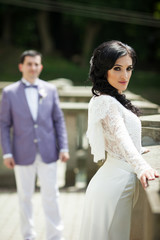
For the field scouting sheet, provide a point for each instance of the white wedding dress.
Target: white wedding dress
(112, 191)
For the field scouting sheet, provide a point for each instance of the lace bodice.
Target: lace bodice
(116, 130)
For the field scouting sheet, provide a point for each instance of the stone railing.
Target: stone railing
(80, 167)
(150, 130)
(146, 214)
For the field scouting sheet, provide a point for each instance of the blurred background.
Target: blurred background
(67, 31)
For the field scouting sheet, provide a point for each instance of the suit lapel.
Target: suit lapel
(42, 93)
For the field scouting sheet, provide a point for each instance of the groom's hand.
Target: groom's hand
(9, 162)
(64, 156)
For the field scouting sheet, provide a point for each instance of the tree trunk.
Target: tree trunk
(44, 32)
(90, 34)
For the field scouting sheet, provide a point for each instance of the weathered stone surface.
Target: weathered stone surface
(151, 121)
(132, 96)
(7, 179)
(150, 129)
(146, 214)
(76, 117)
(147, 107)
(74, 106)
(4, 84)
(61, 83)
(150, 136)
(75, 94)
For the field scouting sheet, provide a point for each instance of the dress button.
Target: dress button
(35, 140)
(35, 125)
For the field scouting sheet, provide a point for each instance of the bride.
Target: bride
(113, 127)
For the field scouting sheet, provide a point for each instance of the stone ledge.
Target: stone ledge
(151, 121)
(146, 213)
(76, 106)
(147, 107)
(153, 158)
(153, 197)
(150, 136)
(4, 84)
(132, 96)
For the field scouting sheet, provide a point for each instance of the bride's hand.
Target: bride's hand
(148, 175)
(144, 150)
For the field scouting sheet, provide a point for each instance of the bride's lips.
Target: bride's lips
(123, 82)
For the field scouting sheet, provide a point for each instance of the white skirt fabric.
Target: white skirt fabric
(110, 197)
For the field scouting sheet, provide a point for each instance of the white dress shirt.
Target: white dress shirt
(32, 98)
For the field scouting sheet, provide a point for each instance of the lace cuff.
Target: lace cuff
(139, 173)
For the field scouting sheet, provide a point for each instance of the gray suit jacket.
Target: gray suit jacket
(47, 135)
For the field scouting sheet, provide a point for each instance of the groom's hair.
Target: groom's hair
(31, 53)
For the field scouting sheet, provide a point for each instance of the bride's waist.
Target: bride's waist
(119, 162)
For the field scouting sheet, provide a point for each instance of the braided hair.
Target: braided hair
(103, 59)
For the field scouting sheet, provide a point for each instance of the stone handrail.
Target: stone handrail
(150, 130)
(80, 163)
(146, 214)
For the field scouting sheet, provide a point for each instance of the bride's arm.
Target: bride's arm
(114, 124)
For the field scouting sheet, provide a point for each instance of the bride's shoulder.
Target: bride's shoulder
(102, 99)
(101, 105)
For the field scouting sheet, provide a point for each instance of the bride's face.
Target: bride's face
(120, 74)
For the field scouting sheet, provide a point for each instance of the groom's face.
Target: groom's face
(31, 68)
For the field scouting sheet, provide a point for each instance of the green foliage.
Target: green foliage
(156, 13)
(25, 32)
(145, 83)
(25, 39)
(54, 67)
(145, 79)
(69, 33)
(62, 68)
(58, 67)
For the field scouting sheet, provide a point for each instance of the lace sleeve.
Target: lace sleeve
(115, 130)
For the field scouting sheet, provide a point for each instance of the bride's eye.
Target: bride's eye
(130, 68)
(117, 68)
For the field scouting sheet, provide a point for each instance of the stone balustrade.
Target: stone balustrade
(150, 130)
(146, 214)
(76, 117)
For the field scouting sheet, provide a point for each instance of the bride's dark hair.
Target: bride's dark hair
(103, 59)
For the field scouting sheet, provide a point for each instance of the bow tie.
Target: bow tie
(30, 86)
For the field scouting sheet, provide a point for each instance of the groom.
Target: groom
(31, 108)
